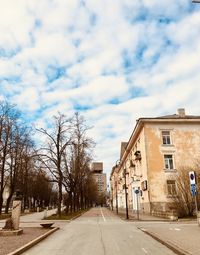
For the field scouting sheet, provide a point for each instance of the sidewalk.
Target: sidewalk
(32, 232)
(182, 236)
(31, 219)
(139, 216)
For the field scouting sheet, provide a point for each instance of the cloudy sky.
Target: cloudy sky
(112, 60)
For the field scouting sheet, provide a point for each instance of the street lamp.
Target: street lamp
(196, 1)
(126, 195)
(116, 191)
(116, 197)
(111, 197)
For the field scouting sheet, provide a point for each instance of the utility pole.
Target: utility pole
(116, 197)
(126, 195)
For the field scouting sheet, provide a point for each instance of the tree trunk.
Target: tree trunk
(59, 198)
(1, 203)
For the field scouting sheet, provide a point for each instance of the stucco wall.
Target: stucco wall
(185, 149)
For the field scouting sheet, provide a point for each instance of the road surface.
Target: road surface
(99, 232)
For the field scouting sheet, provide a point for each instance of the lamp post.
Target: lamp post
(116, 191)
(116, 196)
(112, 198)
(126, 195)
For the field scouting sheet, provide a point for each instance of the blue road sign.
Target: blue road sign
(193, 188)
(194, 193)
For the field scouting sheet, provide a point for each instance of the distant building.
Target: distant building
(99, 176)
(157, 148)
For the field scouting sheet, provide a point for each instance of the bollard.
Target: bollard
(45, 213)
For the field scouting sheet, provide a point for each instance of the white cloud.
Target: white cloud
(15, 25)
(118, 60)
(28, 99)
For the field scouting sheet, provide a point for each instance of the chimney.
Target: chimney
(181, 112)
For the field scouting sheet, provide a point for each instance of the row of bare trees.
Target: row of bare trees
(60, 166)
(67, 156)
(17, 169)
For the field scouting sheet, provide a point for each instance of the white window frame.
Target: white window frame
(169, 162)
(166, 138)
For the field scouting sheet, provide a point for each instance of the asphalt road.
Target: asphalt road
(99, 232)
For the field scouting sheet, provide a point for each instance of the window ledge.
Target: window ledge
(168, 145)
(172, 196)
(170, 170)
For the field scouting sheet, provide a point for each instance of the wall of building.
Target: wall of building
(150, 169)
(101, 182)
(138, 174)
(185, 146)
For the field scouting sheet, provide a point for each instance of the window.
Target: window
(166, 137)
(171, 187)
(144, 185)
(169, 161)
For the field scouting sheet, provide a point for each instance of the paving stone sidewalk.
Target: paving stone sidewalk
(183, 235)
(140, 216)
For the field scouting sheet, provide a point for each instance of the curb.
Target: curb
(168, 244)
(33, 242)
(79, 215)
(73, 218)
(134, 219)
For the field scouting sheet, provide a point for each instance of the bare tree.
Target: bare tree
(8, 121)
(20, 156)
(51, 155)
(41, 189)
(77, 162)
(183, 199)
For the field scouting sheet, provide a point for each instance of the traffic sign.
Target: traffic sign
(192, 177)
(193, 189)
(194, 193)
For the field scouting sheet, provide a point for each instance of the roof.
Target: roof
(177, 116)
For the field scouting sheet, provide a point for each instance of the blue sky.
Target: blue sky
(112, 60)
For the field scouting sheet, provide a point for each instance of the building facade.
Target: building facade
(157, 148)
(99, 176)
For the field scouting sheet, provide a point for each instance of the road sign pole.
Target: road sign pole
(193, 187)
(137, 200)
(195, 199)
(138, 207)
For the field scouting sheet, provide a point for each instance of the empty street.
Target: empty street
(99, 232)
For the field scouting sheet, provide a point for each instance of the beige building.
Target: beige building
(157, 148)
(99, 176)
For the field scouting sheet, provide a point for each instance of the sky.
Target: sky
(113, 61)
